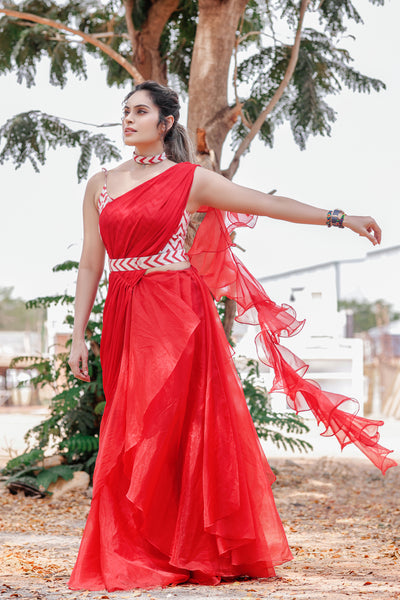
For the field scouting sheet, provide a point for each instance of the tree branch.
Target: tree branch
(159, 13)
(239, 104)
(256, 126)
(110, 34)
(153, 65)
(128, 5)
(89, 39)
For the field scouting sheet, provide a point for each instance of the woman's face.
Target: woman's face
(140, 123)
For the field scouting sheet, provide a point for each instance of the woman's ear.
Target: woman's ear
(169, 123)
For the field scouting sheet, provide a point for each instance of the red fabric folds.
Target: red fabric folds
(182, 488)
(225, 275)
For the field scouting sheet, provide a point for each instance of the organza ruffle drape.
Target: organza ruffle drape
(225, 275)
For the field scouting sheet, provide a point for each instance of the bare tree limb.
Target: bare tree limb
(239, 104)
(159, 13)
(89, 39)
(148, 40)
(132, 34)
(256, 126)
(254, 33)
(110, 34)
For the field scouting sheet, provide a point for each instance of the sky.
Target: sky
(355, 169)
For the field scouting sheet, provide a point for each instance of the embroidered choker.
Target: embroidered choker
(149, 160)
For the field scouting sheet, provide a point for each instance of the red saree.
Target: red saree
(182, 489)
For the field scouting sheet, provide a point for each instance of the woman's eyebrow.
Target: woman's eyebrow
(137, 106)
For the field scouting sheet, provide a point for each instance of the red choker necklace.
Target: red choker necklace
(149, 160)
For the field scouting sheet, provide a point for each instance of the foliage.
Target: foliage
(50, 475)
(367, 315)
(263, 49)
(28, 136)
(24, 460)
(15, 317)
(72, 428)
(269, 423)
(177, 42)
(27, 470)
(30, 43)
(323, 68)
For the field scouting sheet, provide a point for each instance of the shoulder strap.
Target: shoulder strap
(105, 175)
(103, 198)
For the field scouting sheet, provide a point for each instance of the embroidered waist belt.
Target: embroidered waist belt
(169, 257)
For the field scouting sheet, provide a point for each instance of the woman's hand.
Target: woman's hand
(364, 226)
(78, 360)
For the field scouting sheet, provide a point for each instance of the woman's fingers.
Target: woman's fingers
(376, 231)
(78, 362)
(84, 365)
(366, 227)
(372, 231)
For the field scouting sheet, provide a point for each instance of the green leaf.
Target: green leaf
(47, 476)
(29, 136)
(67, 265)
(80, 443)
(23, 460)
(266, 421)
(99, 408)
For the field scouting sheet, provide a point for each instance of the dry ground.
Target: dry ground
(342, 518)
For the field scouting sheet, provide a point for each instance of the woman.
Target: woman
(182, 489)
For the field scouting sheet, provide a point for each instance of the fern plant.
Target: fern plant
(72, 428)
(28, 472)
(268, 423)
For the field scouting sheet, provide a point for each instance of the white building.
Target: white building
(336, 361)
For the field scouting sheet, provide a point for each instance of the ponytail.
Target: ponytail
(178, 145)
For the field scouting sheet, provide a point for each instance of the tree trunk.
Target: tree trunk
(210, 118)
(229, 316)
(209, 71)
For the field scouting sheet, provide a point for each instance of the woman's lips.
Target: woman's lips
(127, 131)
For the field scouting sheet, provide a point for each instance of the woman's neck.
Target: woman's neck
(149, 150)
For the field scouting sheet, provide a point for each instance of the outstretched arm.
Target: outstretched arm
(211, 189)
(91, 267)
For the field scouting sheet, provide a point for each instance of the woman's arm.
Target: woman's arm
(211, 189)
(91, 268)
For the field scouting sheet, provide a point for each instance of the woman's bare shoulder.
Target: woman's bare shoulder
(94, 187)
(99, 177)
(97, 181)
(125, 166)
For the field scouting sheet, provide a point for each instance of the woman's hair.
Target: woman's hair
(177, 144)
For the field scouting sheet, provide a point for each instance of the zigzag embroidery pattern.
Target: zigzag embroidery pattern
(172, 252)
(149, 160)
